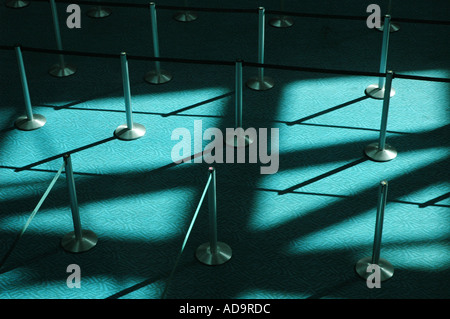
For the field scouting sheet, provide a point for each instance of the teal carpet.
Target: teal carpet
(295, 234)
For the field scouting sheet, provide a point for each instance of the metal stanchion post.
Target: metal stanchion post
(29, 121)
(376, 91)
(78, 240)
(238, 139)
(386, 268)
(185, 15)
(281, 21)
(382, 152)
(17, 4)
(261, 82)
(392, 26)
(130, 130)
(60, 69)
(213, 252)
(156, 76)
(99, 12)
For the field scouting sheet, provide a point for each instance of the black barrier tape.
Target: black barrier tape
(234, 10)
(229, 63)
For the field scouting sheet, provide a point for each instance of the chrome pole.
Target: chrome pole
(130, 130)
(61, 69)
(377, 91)
(386, 268)
(238, 94)
(30, 121)
(157, 76)
(213, 252)
(78, 240)
(382, 152)
(260, 82)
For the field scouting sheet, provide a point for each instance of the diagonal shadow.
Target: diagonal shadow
(429, 203)
(433, 201)
(199, 104)
(322, 176)
(76, 150)
(340, 106)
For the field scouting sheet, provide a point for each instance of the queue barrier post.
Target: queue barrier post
(213, 252)
(386, 268)
(185, 15)
(98, 12)
(260, 82)
(156, 76)
(129, 130)
(381, 151)
(29, 121)
(281, 21)
(79, 240)
(376, 91)
(61, 69)
(238, 138)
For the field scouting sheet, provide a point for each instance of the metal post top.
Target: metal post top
(261, 9)
(211, 169)
(384, 183)
(123, 53)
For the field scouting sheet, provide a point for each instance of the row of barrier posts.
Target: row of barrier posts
(77, 241)
(379, 152)
(210, 253)
(259, 82)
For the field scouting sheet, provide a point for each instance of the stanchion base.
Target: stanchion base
(122, 132)
(238, 140)
(160, 77)
(375, 92)
(386, 268)
(17, 4)
(281, 22)
(24, 124)
(185, 16)
(70, 243)
(98, 12)
(373, 152)
(260, 85)
(59, 72)
(222, 255)
(392, 27)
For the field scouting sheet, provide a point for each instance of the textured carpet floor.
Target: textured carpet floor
(294, 234)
